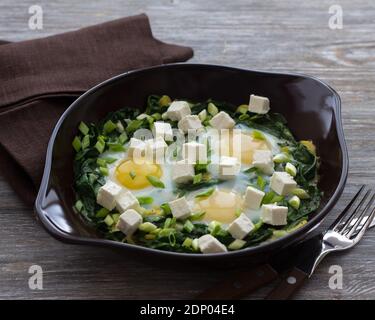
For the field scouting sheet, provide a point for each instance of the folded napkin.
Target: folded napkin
(40, 78)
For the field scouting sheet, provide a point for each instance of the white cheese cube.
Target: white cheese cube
(274, 215)
(209, 244)
(107, 195)
(136, 148)
(241, 227)
(191, 122)
(163, 130)
(180, 208)
(262, 159)
(182, 172)
(229, 167)
(194, 151)
(222, 120)
(126, 200)
(259, 104)
(253, 198)
(129, 222)
(177, 110)
(282, 183)
(155, 150)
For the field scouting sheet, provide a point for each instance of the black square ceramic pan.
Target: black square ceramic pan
(311, 107)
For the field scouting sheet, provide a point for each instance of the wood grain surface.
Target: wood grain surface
(270, 35)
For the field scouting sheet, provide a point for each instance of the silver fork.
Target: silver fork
(344, 233)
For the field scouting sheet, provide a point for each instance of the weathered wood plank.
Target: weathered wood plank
(271, 35)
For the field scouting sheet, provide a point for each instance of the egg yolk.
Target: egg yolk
(221, 206)
(248, 146)
(134, 176)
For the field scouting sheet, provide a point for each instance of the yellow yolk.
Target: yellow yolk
(134, 176)
(220, 206)
(248, 146)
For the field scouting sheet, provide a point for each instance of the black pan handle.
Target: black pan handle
(288, 285)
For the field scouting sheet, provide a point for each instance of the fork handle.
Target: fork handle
(289, 285)
(241, 284)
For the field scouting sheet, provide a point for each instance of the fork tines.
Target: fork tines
(357, 216)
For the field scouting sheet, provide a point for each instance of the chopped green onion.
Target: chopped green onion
(156, 116)
(197, 178)
(202, 115)
(279, 233)
(205, 193)
(76, 144)
(134, 125)
(238, 212)
(145, 200)
(197, 215)
(195, 245)
(214, 227)
(164, 116)
(85, 142)
(165, 101)
(169, 222)
(242, 108)
(243, 117)
(300, 193)
(102, 213)
(103, 171)
(188, 226)
(212, 109)
(172, 239)
(200, 167)
(79, 205)
(116, 147)
(92, 178)
(147, 227)
(142, 116)
(83, 128)
(116, 217)
(187, 243)
(150, 236)
(100, 145)
(101, 162)
(281, 157)
(166, 209)
(261, 182)
(132, 174)
(120, 127)
(108, 220)
(123, 138)
(155, 181)
(272, 197)
(109, 126)
(258, 135)
(236, 244)
(109, 160)
(291, 169)
(295, 202)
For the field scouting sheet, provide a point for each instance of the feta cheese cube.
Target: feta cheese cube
(191, 122)
(177, 110)
(229, 167)
(274, 215)
(180, 208)
(182, 172)
(129, 222)
(241, 227)
(259, 104)
(222, 120)
(282, 183)
(194, 151)
(253, 198)
(155, 150)
(163, 130)
(136, 148)
(107, 195)
(126, 200)
(262, 159)
(209, 244)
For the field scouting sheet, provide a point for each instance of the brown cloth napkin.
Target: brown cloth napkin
(40, 78)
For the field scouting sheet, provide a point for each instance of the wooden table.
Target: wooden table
(270, 35)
